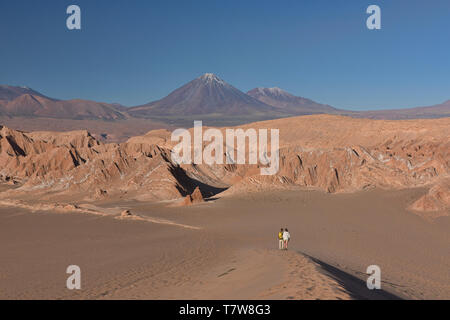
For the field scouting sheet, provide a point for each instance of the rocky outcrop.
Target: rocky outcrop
(437, 199)
(194, 198)
(126, 213)
(329, 153)
(76, 164)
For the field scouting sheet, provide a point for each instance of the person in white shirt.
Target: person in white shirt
(286, 238)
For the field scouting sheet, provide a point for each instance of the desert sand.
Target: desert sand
(142, 227)
(232, 251)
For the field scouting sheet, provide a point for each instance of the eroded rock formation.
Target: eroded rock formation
(330, 153)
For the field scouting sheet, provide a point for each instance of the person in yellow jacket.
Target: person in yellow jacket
(280, 239)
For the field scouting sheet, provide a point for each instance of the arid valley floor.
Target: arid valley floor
(233, 253)
(353, 193)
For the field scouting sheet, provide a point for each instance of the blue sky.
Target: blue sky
(136, 51)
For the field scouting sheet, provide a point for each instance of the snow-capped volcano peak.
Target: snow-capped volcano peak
(271, 92)
(287, 102)
(211, 77)
(275, 91)
(207, 96)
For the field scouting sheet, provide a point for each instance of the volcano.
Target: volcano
(288, 103)
(207, 98)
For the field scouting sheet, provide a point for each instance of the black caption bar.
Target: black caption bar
(206, 309)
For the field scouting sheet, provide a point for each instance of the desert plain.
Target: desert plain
(352, 192)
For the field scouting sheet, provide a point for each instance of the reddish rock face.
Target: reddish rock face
(197, 195)
(75, 164)
(194, 198)
(330, 153)
(437, 198)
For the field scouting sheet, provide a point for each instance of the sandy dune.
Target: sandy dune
(233, 252)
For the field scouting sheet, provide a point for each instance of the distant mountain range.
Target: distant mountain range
(9, 93)
(207, 98)
(432, 112)
(25, 102)
(288, 103)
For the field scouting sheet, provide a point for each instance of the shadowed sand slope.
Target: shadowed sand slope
(356, 288)
(233, 251)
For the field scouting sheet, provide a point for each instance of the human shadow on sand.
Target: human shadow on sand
(356, 287)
